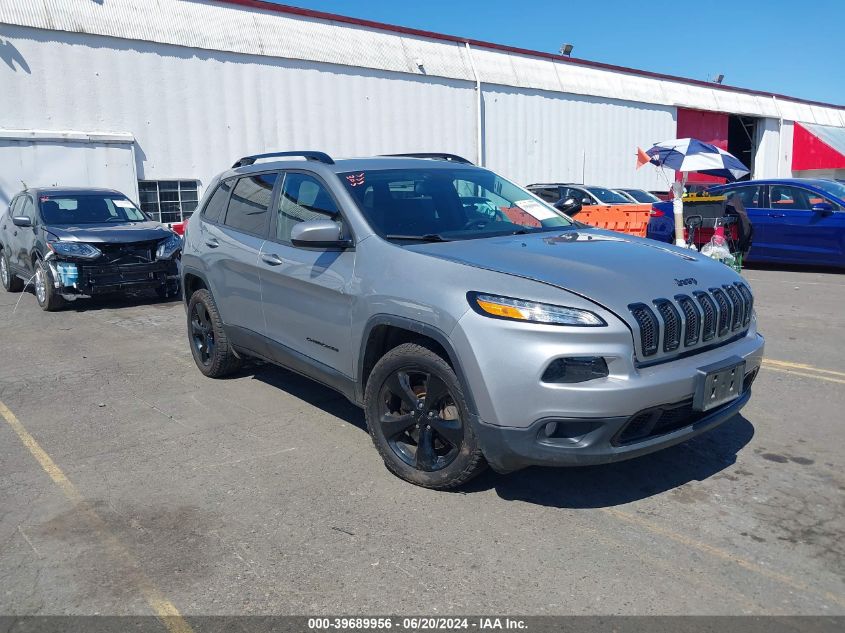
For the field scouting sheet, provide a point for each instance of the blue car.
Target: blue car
(795, 220)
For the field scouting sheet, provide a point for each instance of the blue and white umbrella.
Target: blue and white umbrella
(691, 155)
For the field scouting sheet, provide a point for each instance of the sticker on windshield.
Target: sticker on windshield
(535, 209)
(356, 180)
(124, 204)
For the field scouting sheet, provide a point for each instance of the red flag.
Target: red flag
(642, 157)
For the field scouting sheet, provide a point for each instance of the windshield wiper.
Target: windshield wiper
(428, 237)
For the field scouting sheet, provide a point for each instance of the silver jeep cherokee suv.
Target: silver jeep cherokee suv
(474, 323)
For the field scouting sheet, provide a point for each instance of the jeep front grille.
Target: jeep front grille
(724, 320)
(685, 322)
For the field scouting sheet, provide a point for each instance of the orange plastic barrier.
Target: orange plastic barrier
(624, 218)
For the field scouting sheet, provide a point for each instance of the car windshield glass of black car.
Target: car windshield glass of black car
(642, 196)
(88, 209)
(607, 196)
(448, 204)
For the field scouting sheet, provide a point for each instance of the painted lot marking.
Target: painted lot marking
(806, 371)
(163, 608)
(717, 552)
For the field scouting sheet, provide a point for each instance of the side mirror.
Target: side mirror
(318, 234)
(824, 208)
(586, 202)
(568, 206)
(22, 221)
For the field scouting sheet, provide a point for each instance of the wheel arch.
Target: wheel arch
(193, 280)
(384, 332)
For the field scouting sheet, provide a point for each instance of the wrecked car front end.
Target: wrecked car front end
(81, 269)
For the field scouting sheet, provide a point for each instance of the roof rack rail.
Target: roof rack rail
(321, 157)
(454, 158)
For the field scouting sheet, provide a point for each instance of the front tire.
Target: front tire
(45, 290)
(419, 421)
(209, 344)
(11, 282)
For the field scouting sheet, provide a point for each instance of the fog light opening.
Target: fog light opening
(575, 369)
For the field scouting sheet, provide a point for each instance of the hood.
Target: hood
(110, 233)
(611, 269)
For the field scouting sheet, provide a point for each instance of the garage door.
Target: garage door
(83, 161)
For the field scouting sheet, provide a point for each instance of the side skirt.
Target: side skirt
(249, 343)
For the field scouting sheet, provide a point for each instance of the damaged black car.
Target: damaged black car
(72, 244)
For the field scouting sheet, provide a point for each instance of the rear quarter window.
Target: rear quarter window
(249, 204)
(213, 211)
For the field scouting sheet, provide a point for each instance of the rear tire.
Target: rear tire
(11, 282)
(45, 291)
(209, 344)
(419, 420)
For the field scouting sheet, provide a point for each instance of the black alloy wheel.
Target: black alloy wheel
(420, 419)
(202, 333)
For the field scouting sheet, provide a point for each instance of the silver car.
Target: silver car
(473, 322)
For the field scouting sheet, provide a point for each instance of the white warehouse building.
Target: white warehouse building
(154, 99)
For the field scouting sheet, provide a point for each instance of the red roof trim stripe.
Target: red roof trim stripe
(333, 17)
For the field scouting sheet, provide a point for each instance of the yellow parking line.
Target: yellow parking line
(795, 583)
(804, 374)
(163, 608)
(770, 362)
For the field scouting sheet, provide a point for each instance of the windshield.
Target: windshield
(608, 196)
(836, 189)
(89, 209)
(641, 196)
(450, 204)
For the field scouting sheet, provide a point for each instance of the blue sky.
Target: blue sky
(784, 46)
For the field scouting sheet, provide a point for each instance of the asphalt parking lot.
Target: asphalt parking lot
(130, 483)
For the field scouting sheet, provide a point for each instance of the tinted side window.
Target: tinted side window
(303, 198)
(213, 211)
(549, 194)
(786, 197)
(750, 196)
(27, 208)
(250, 203)
(575, 194)
(13, 206)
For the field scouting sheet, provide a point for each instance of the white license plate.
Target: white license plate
(719, 384)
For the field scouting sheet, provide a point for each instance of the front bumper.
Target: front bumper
(95, 278)
(503, 363)
(510, 449)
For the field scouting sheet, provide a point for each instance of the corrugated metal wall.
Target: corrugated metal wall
(536, 136)
(200, 83)
(194, 113)
(218, 26)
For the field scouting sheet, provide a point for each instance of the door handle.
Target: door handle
(212, 242)
(271, 259)
(777, 215)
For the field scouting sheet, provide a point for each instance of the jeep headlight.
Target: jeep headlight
(167, 248)
(531, 311)
(79, 250)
